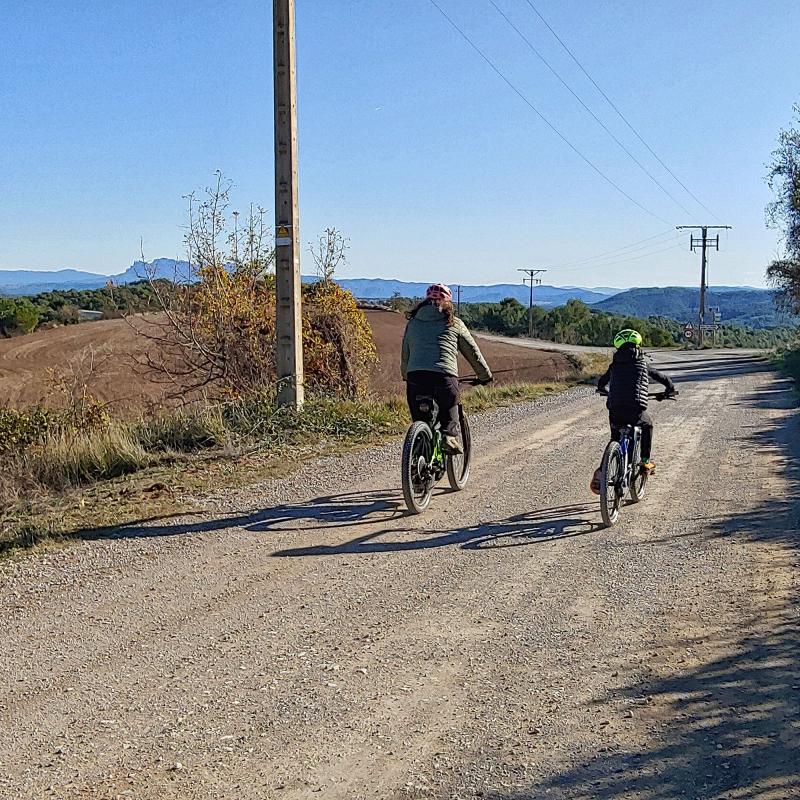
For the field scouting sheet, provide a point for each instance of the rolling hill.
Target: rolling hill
(740, 305)
(31, 281)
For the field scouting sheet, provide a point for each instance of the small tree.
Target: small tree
(784, 213)
(18, 316)
(329, 253)
(215, 330)
(217, 323)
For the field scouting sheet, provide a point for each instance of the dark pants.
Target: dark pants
(619, 418)
(443, 389)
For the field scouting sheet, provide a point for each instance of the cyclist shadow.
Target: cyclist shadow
(333, 511)
(535, 527)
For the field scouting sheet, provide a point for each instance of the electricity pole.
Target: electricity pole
(458, 301)
(532, 280)
(703, 242)
(288, 315)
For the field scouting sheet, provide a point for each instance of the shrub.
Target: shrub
(20, 428)
(337, 341)
(17, 316)
(218, 332)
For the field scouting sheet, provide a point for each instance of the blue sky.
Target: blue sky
(409, 142)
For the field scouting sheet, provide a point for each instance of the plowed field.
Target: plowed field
(27, 362)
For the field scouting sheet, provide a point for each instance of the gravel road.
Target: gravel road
(304, 638)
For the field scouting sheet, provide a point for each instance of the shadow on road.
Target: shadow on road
(332, 511)
(522, 529)
(731, 727)
(708, 369)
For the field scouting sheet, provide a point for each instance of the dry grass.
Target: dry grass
(64, 460)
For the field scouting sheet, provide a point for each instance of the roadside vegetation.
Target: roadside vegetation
(783, 214)
(76, 469)
(23, 315)
(71, 464)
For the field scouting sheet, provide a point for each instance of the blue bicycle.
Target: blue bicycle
(622, 472)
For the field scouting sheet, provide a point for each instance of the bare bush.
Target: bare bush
(329, 253)
(215, 333)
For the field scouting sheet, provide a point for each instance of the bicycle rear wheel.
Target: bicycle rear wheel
(610, 482)
(639, 478)
(458, 466)
(417, 454)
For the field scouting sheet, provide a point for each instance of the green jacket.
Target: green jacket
(431, 344)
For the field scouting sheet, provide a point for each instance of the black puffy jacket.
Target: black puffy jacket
(630, 376)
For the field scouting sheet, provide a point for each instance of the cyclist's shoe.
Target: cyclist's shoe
(595, 484)
(452, 446)
(649, 467)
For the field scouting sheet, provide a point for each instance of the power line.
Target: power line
(618, 250)
(539, 114)
(619, 113)
(633, 250)
(614, 263)
(594, 116)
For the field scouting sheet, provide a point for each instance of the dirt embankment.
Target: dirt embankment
(28, 363)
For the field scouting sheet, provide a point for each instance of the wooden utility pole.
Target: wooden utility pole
(458, 302)
(703, 242)
(531, 279)
(288, 317)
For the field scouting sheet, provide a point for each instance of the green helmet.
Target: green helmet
(628, 336)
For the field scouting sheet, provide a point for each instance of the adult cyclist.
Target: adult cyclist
(433, 339)
(629, 375)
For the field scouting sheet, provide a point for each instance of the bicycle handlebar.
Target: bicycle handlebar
(659, 396)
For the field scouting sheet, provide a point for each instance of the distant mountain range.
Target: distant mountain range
(737, 304)
(382, 289)
(740, 304)
(19, 282)
(30, 281)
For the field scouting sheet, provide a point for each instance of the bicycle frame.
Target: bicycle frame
(428, 406)
(628, 438)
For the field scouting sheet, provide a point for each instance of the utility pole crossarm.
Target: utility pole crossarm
(703, 242)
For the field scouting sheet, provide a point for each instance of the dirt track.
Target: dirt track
(305, 639)
(25, 362)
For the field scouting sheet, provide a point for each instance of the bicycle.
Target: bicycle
(425, 462)
(621, 470)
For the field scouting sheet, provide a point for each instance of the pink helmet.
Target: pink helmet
(438, 292)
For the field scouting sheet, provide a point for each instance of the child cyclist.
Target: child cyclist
(433, 339)
(629, 375)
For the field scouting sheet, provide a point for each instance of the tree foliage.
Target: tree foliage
(577, 323)
(573, 323)
(216, 333)
(18, 315)
(784, 213)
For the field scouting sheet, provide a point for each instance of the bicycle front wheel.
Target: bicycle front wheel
(417, 455)
(610, 483)
(458, 466)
